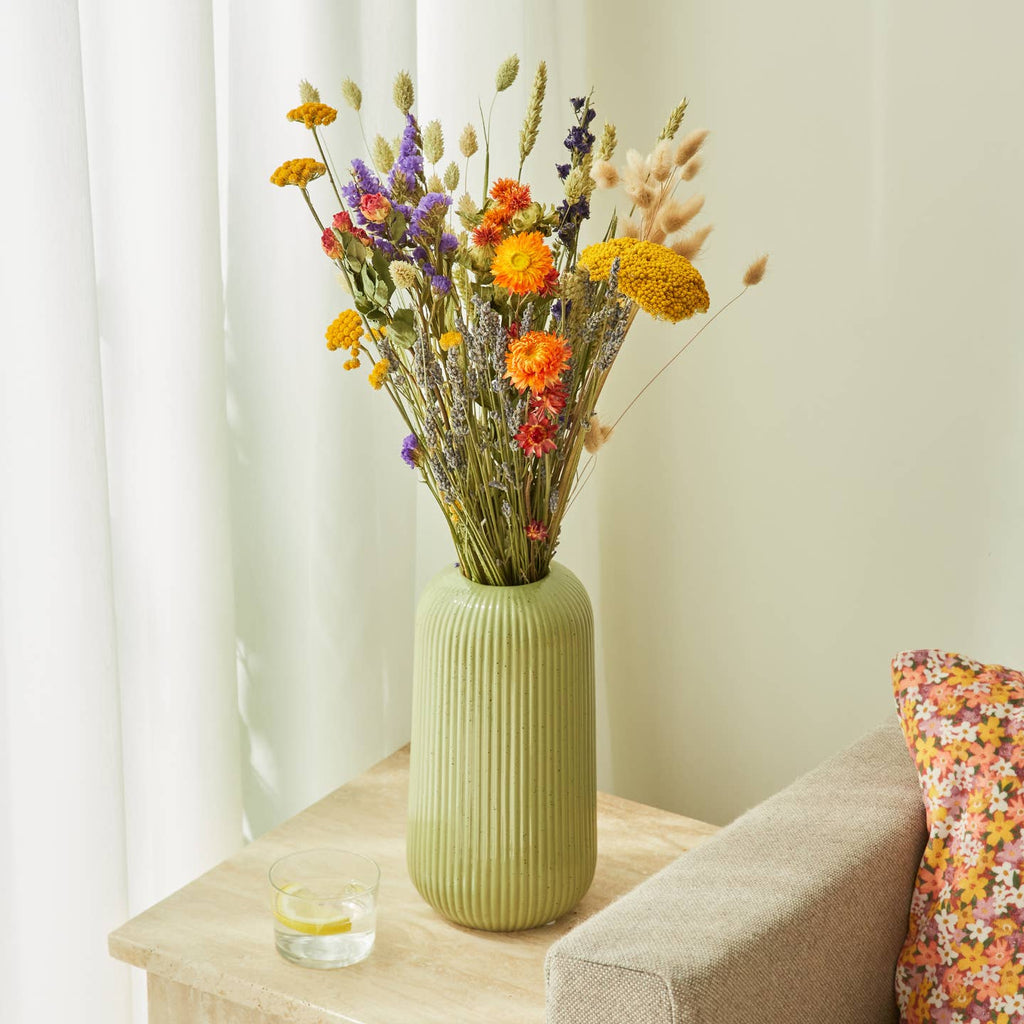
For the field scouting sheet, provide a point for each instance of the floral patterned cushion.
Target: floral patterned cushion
(964, 954)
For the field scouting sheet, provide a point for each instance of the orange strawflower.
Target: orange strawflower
(522, 263)
(536, 360)
(497, 217)
(510, 194)
(486, 234)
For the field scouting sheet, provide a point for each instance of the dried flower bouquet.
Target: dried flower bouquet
(488, 327)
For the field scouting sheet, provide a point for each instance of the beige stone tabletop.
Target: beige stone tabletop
(209, 948)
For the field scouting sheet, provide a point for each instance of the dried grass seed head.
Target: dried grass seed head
(661, 161)
(675, 119)
(755, 272)
(691, 168)
(604, 174)
(383, 154)
(597, 435)
(451, 176)
(468, 144)
(531, 122)
(606, 147)
(628, 228)
(352, 94)
(642, 194)
(433, 142)
(692, 245)
(690, 145)
(675, 215)
(404, 94)
(508, 70)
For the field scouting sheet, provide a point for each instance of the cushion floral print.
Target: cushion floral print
(963, 957)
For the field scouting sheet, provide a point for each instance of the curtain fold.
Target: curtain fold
(62, 824)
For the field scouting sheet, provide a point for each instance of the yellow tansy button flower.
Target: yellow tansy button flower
(298, 172)
(345, 331)
(313, 114)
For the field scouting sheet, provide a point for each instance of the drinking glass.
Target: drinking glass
(324, 904)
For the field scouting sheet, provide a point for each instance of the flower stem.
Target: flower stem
(309, 203)
(703, 328)
(327, 164)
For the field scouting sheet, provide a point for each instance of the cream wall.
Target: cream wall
(833, 472)
(829, 475)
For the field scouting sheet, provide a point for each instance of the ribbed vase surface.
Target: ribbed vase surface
(502, 791)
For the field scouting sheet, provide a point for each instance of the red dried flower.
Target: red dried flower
(536, 530)
(536, 436)
(343, 222)
(549, 402)
(330, 244)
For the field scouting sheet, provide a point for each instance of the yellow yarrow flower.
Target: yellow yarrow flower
(313, 114)
(379, 373)
(449, 340)
(659, 281)
(345, 331)
(298, 172)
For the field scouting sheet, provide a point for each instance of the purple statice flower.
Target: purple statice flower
(364, 182)
(410, 160)
(386, 247)
(431, 201)
(448, 243)
(563, 171)
(421, 258)
(410, 446)
(441, 284)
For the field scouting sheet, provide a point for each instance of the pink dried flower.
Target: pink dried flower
(375, 208)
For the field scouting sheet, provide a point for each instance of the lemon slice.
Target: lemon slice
(299, 909)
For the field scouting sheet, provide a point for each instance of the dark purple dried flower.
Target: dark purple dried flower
(579, 140)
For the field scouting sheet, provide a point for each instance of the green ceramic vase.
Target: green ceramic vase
(502, 791)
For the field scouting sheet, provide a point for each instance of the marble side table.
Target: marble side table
(209, 950)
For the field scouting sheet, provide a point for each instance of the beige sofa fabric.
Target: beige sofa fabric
(793, 913)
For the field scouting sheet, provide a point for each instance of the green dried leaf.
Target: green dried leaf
(355, 251)
(403, 328)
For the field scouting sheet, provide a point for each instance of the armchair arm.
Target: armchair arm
(794, 912)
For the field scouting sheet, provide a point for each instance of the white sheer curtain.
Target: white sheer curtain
(120, 757)
(208, 544)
